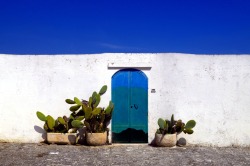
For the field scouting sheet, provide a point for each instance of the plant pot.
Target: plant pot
(167, 140)
(62, 138)
(96, 139)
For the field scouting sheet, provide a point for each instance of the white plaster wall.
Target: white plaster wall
(212, 89)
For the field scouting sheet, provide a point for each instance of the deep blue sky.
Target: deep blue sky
(97, 26)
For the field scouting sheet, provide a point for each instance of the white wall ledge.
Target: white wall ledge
(145, 66)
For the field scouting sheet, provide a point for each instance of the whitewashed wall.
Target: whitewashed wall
(212, 89)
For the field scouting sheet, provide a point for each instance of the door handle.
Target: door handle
(135, 106)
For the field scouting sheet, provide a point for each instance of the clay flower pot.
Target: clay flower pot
(167, 140)
(96, 139)
(61, 138)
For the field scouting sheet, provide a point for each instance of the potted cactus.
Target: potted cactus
(96, 118)
(60, 130)
(166, 135)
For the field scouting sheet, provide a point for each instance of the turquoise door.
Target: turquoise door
(130, 115)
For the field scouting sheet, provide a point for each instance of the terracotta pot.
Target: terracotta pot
(61, 138)
(96, 139)
(167, 140)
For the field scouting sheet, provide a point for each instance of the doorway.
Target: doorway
(130, 115)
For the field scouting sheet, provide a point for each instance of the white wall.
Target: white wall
(212, 89)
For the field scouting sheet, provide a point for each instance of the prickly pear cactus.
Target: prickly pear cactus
(172, 126)
(77, 124)
(50, 122)
(69, 101)
(162, 123)
(95, 118)
(41, 116)
(103, 90)
(188, 129)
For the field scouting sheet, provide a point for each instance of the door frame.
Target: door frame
(147, 106)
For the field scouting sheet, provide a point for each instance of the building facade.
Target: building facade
(214, 90)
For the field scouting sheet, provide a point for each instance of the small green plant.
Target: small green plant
(172, 126)
(96, 118)
(59, 125)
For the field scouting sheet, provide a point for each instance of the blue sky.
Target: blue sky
(132, 26)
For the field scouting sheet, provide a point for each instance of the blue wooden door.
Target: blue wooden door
(130, 116)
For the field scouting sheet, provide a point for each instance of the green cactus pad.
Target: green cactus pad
(94, 94)
(111, 104)
(61, 120)
(84, 108)
(107, 110)
(77, 124)
(96, 111)
(56, 123)
(110, 108)
(80, 118)
(190, 124)
(90, 101)
(69, 101)
(74, 108)
(50, 122)
(172, 120)
(97, 100)
(88, 113)
(162, 123)
(41, 116)
(188, 131)
(77, 101)
(103, 90)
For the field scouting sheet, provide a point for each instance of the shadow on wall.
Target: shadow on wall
(130, 135)
(41, 131)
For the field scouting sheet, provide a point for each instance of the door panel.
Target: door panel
(130, 116)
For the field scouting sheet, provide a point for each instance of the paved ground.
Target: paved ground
(43, 154)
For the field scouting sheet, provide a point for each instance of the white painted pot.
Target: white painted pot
(96, 139)
(167, 140)
(61, 138)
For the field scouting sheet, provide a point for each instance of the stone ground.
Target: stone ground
(125, 155)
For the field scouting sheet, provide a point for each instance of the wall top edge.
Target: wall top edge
(124, 54)
(114, 65)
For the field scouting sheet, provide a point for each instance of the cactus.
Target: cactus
(41, 116)
(109, 109)
(173, 126)
(74, 108)
(162, 124)
(50, 122)
(97, 100)
(60, 125)
(190, 124)
(103, 90)
(77, 124)
(77, 101)
(69, 101)
(96, 118)
(189, 127)
(61, 120)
